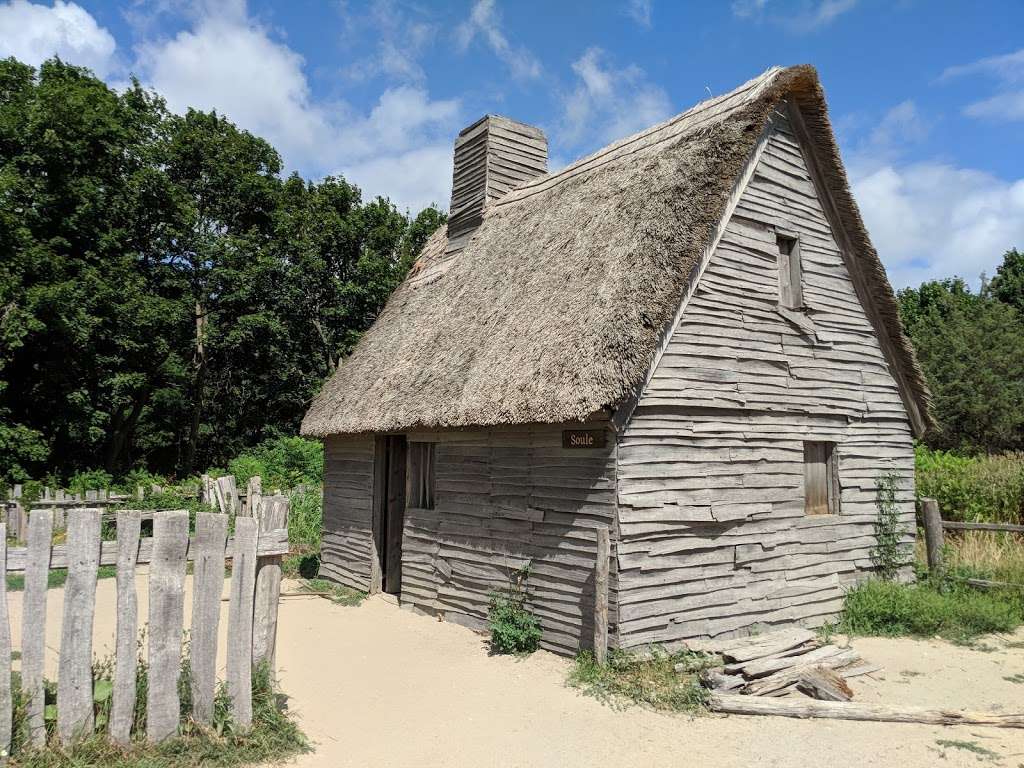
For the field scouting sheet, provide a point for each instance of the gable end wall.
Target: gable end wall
(713, 536)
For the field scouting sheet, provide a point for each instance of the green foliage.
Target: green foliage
(57, 577)
(889, 554)
(982, 489)
(954, 611)
(168, 298)
(514, 629)
(971, 347)
(305, 520)
(282, 462)
(651, 680)
(90, 480)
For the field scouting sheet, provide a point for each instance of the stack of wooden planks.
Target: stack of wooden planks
(774, 674)
(791, 661)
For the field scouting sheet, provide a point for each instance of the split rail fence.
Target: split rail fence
(256, 550)
(935, 539)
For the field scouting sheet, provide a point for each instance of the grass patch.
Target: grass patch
(952, 611)
(1018, 678)
(336, 593)
(968, 746)
(56, 578)
(650, 680)
(273, 738)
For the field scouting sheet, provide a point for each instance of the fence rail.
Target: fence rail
(934, 538)
(255, 551)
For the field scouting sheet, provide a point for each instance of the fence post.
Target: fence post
(601, 595)
(33, 625)
(74, 671)
(272, 513)
(6, 703)
(254, 496)
(240, 611)
(207, 585)
(933, 537)
(122, 708)
(166, 621)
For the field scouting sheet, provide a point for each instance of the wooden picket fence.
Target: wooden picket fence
(256, 552)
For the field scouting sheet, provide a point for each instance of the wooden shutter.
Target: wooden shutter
(820, 479)
(790, 274)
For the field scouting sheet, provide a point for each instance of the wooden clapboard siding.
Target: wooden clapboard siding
(347, 541)
(505, 498)
(713, 535)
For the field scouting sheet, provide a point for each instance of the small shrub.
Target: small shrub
(514, 629)
(90, 480)
(651, 680)
(889, 554)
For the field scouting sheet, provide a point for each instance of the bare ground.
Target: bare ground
(375, 685)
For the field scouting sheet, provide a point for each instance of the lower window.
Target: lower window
(821, 479)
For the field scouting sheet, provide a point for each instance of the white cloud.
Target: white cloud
(803, 17)
(1008, 71)
(33, 33)
(640, 11)
(610, 103)
(400, 39)
(228, 62)
(485, 22)
(931, 219)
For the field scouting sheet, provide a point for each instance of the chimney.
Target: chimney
(492, 156)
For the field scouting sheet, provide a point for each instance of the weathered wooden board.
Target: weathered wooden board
(74, 674)
(272, 514)
(166, 623)
(848, 710)
(207, 585)
(6, 701)
(33, 627)
(122, 709)
(240, 608)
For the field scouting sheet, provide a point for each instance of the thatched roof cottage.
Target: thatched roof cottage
(686, 337)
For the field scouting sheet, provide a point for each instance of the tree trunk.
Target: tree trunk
(198, 386)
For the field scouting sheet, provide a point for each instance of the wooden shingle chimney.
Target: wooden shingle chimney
(492, 156)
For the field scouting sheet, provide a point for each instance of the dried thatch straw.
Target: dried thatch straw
(552, 311)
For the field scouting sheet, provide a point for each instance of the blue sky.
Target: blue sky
(927, 97)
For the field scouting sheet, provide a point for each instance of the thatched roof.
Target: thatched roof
(552, 311)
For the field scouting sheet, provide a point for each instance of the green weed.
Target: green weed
(651, 680)
(514, 628)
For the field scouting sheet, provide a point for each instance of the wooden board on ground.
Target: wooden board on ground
(848, 710)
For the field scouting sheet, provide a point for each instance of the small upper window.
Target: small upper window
(821, 479)
(790, 292)
(421, 475)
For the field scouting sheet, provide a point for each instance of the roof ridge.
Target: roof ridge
(585, 163)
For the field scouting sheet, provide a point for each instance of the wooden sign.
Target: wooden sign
(584, 438)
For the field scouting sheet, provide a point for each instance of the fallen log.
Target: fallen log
(765, 686)
(774, 643)
(844, 710)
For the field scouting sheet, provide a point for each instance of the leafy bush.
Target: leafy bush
(90, 480)
(514, 629)
(651, 680)
(954, 611)
(982, 489)
(283, 462)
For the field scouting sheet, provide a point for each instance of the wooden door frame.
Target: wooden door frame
(389, 500)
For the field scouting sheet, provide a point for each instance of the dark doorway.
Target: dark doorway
(389, 512)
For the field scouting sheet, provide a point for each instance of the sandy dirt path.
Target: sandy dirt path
(377, 686)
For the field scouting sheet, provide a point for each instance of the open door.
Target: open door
(389, 509)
